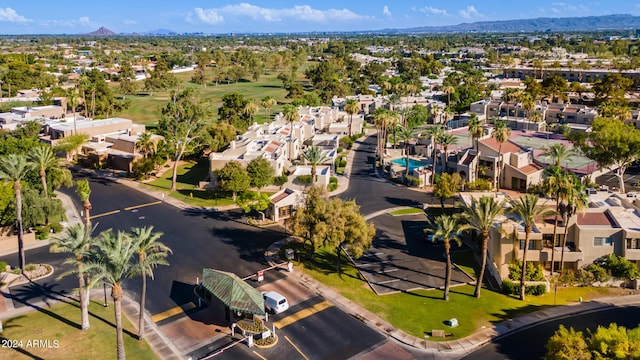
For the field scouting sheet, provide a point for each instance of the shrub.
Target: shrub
(280, 180)
(304, 179)
(332, 186)
(56, 227)
(567, 277)
(412, 180)
(342, 162)
(42, 232)
(534, 273)
(340, 149)
(346, 142)
(333, 180)
(479, 185)
(620, 267)
(3, 266)
(30, 267)
(598, 272)
(513, 288)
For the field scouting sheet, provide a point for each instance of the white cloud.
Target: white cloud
(385, 10)
(434, 11)
(10, 15)
(83, 21)
(130, 22)
(469, 12)
(209, 16)
(561, 7)
(299, 12)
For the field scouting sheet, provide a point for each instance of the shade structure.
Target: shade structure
(233, 291)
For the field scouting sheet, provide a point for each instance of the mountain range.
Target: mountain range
(586, 23)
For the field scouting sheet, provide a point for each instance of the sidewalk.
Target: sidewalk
(454, 348)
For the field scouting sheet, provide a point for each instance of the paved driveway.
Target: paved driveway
(400, 258)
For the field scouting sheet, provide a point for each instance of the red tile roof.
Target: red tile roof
(530, 169)
(507, 147)
(597, 218)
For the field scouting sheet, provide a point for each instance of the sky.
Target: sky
(278, 16)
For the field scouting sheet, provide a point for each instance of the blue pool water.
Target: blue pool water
(412, 163)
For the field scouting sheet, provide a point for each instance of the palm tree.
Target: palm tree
(501, 133)
(14, 167)
(250, 108)
(558, 152)
(113, 265)
(72, 95)
(481, 215)
(436, 133)
(84, 192)
(351, 108)
(151, 253)
(381, 118)
(446, 228)
(145, 143)
(392, 123)
(446, 140)
(393, 100)
(576, 199)
(525, 210)
(42, 159)
(315, 156)
(448, 89)
(267, 103)
(555, 184)
(291, 115)
(76, 240)
(475, 129)
(405, 135)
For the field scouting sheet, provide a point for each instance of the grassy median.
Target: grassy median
(54, 333)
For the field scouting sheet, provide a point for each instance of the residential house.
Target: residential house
(283, 203)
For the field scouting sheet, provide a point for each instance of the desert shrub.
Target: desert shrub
(346, 142)
(513, 288)
(534, 273)
(479, 185)
(42, 232)
(3, 266)
(30, 267)
(332, 186)
(280, 180)
(412, 180)
(620, 267)
(342, 162)
(598, 272)
(56, 227)
(304, 179)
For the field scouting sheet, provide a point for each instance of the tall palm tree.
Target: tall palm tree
(558, 152)
(14, 167)
(145, 143)
(84, 192)
(393, 100)
(448, 89)
(151, 253)
(72, 95)
(291, 115)
(446, 229)
(314, 156)
(42, 159)
(381, 118)
(501, 133)
(268, 103)
(525, 210)
(576, 199)
(250, 108)
(351, 108)
(481, 215)
(392, 123)
(555, 184)
(76, 239)
(475, 129)
(113, 265)
(447, 139)
(436, 133)
(405, 135)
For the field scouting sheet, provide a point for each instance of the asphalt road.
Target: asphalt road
(529, 344)
(371, 192)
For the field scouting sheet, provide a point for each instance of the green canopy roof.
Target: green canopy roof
(233, 291)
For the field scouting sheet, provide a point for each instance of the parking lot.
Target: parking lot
(401, 259)
(631, 179)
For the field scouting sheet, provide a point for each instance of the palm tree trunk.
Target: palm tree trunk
(87, 217)
(483, 263)
(499, 167)
(18, 195)
(143, 295)
(564, 244)
(524, 264)
(447, 277)
(84, 303)
(43, 179)
(116, 294)
(433, 172)
(406, 150)
(553, 241)
(313, 175)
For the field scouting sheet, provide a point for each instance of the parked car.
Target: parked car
(274, 302)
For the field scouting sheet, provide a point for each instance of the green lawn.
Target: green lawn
(60, 324)
(189, 174)
(419, 312)
(410, 211)
(145, 106)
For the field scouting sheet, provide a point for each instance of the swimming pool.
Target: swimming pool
(412, 163)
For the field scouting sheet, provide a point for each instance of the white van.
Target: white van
(274, 302)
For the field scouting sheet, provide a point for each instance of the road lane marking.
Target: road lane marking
(302, 314)
(295, 347)
(172, 312)
(104, 214)
(142, 205)
(260, 356)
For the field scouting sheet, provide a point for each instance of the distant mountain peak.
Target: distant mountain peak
(102, 31)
